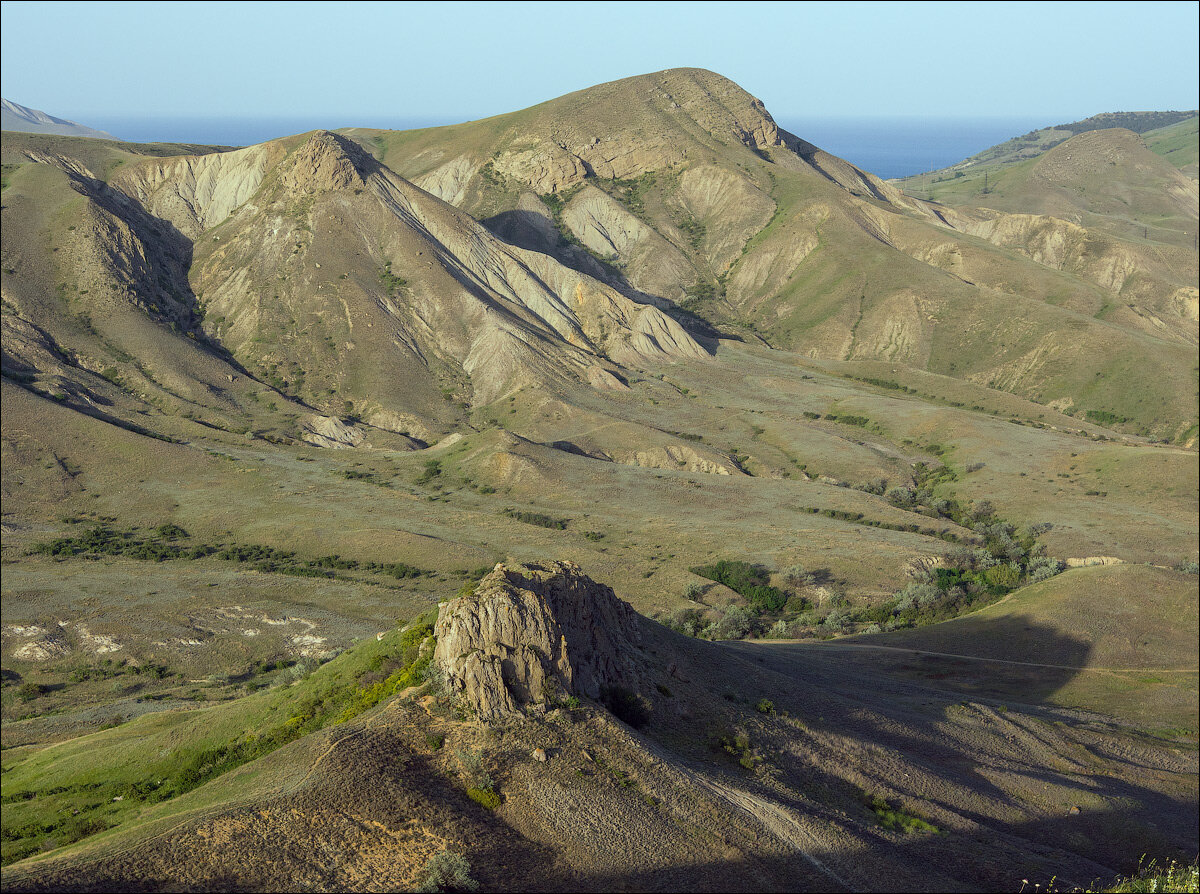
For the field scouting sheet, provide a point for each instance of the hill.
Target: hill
(680, 185)
(1034, 143)
(798, 777)
(23, 119)
(262, 407)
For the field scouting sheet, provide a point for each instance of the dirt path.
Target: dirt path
(782, 824)
(1107, 670)
(775, 818)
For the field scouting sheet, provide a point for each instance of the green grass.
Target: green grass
(59, 795)
(896, 819)
(1151, 876)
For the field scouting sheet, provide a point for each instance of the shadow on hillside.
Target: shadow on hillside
(1012, 657)
(974, 738)
(979, 726)
(534, 232)
(1027, 857)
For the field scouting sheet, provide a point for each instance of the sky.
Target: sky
(360, 63)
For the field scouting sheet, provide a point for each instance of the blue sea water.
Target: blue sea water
(887, 147)
(901, 147)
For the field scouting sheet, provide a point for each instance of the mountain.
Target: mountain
(680, 185)
(619, 493)
(23, 119)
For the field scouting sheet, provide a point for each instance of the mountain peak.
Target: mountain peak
(327, 162)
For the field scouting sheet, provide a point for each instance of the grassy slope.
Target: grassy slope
(111, 777)
(1178, 144)
(1140, 624)
(1023, 148)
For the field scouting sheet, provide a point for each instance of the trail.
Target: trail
(774, 817)
(1107, 670)
(778, 821)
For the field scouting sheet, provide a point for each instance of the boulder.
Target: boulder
(532, 635)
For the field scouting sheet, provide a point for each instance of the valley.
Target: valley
(899, 481)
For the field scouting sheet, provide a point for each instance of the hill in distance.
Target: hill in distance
(1038, 141)
(22, 119)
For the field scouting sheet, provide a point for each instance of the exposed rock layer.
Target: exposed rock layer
(533, 634)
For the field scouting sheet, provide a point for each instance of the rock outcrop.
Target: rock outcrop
(534, 634)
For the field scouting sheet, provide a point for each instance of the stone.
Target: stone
(532, 635)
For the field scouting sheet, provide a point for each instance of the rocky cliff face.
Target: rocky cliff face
(533, 634)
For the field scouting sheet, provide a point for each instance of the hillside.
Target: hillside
(19, 118)
(1042, 140)
(341, 472)
(697, 196)
(831, 784)
(1177, 144)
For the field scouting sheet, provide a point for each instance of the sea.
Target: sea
(886, 146)
(902, 147)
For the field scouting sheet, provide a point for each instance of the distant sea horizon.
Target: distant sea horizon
(891, 147)
(888, 147)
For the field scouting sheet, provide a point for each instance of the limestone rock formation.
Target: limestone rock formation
(536, 633)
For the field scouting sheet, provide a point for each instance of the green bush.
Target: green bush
(750, 581)
(484, 797)
(537, 519)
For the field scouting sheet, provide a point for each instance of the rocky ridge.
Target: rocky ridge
(532, 635)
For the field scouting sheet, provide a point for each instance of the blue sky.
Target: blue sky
(454, 61)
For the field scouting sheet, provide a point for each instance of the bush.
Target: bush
(735, 623)
(538, 519)
(750, 581)
(476, 776)
(484, 797)
(433, 469)
(1003, 576)
(445, 871)
(797, 577)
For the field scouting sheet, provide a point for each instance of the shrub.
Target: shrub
(445, 871)
(433, 469)
(797, 577)
(736, 623)
(477, 777)
(538, 519)
(751, 581)
(1003, 576)
(484, 797)
(897, 819)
